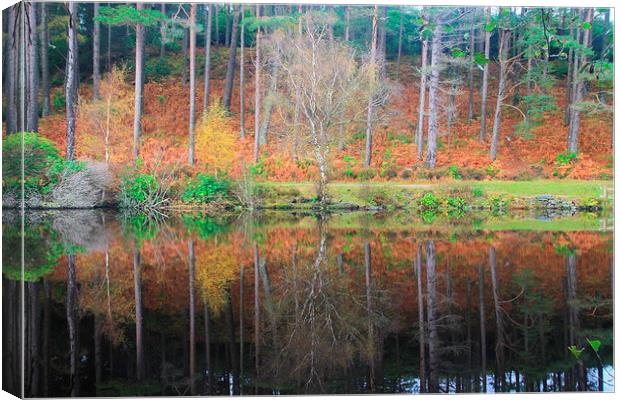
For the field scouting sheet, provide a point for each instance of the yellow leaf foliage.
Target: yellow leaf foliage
(216, 140)
(216, 270)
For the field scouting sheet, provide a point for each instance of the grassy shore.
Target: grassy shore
(515, 194)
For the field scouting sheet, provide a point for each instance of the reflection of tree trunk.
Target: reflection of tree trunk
(137, 276)
(230, 325)
(192, 317)
(98, 361)
(573, 314)
(483, 332)
(241, 271)
(433, 339)
(34, 338)
(46, 333)
(256, 314)
(468, 323)
(422, 332)
(208, 345)
(499, 325)
(371, 338)
(73, 327)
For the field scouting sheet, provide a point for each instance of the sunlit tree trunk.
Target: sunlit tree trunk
(485, 79)
(268, 104)
(11, 80)
(470, 72)
(207, 72)
(192, 83)
(370, 110)
(501, 91)
(419, 137)
(232, 57)
(139, 86)
(578, 88)
(71, 80)
(184, 45)
(45, 70)
(96, 52)
(400, 42)
(32, 84)
(242, 78)
(433, 94)
(257, 90)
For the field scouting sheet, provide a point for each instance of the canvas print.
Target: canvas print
(204, 199)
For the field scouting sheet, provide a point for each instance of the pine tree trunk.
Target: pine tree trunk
(96, 53)
(501, 91)
(184, 44)
(71, 80)
(268, 104)
(347, 23)
(470, 74)
(139, 86)
(32, 84)
(400, 43)
(578, 88)
(422, 100)
(12, 70)
(485, 79)
(108, 57)
(232, 58)
(162, 30)
(217, 25)
(433, 93)
(242, 78)
(370, 110)
(192, 83)
(45, 71)
(207, 72)
(257, 90)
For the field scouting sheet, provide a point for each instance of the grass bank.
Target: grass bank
(477, 194)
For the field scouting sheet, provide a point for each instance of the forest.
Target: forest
(151, 105)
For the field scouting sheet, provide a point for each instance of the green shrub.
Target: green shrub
(477, 192)
(454, 172)
(429, 201)
(157, 68)
(43, 165)
(350, 162)
(205, 189)
(492, 171)
(139, 191)
(566, 157)
(58, 100)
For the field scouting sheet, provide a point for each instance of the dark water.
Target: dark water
(294, 304)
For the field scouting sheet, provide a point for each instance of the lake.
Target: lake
(297, 303)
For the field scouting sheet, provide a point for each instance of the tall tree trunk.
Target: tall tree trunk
(184, 45)
(192, 305)
(137, 276)
(433, 94)
(232, 58)
(227, 32)
(216, 15)
(12, 69)
(268, 104)
(257, 90)
(192, 83)
(162, 30)
(501, 91)
(242, 77)
(45, 70)
(569, 73)
(604, 53)
(256, 307)
(578, 88)
(207, 72)
(485, 79)
(71, 80)
(382, 40)
(32, 84)
(139, 86)
(96, 53)
(208, 344)
(470, 72)
(400, 42)
(419, 137)
(108, 57)
(370, 110)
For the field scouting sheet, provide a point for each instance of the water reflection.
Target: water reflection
(287, 304)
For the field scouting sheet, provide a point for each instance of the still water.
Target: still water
(286, 303)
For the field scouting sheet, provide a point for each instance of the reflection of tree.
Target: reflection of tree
(323, 322)
(72, 323)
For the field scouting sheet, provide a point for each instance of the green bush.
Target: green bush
(205, 189)
(141, 191)
(429, 201)
(43, 165)
(58, 100)
(566, 157)
(477, 192)
(454, 172)
(157, 68)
